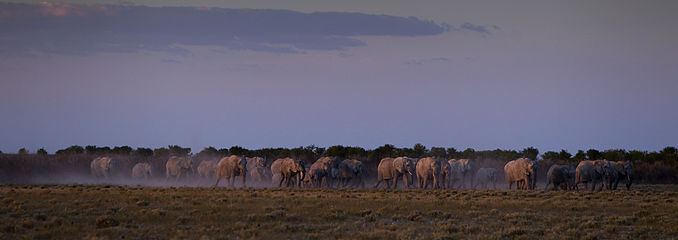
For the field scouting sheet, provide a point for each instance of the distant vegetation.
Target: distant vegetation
(668, 155)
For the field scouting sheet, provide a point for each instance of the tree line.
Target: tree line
(668, 155)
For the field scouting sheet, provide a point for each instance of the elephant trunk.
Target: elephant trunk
(243, 175)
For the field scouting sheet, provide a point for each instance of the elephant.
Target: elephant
(254, 162)
(392, 169)
(620, 170)
(428, 169)
(520, 170)
(207, 169)
(101, 167)
(256, 168)
(260, 174)
(484, 176)
(561, 176)
(445, 174)
(592, 171)
(321, 170)
(627, 175)
(291, 169)
(460, 169)
(352, 170)
(176, 167)
(141, 170)
(229, 168)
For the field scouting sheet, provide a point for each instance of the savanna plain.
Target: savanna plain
(135, 212)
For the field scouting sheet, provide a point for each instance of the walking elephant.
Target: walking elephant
(620, 171)
(593, 172)
(428, 170)
(352, 171)
(322, 170)
(101, 167)
(520, 170)
(291, 169)
(229, 168)
(141, 170)
(461, 170)
(390, 169)
(177, 167)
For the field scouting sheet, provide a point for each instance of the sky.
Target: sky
(480, 74)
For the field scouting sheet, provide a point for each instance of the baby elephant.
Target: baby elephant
(485, 176)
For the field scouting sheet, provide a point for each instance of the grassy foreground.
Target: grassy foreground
(76, 211)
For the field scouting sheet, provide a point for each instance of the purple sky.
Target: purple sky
(480, 74)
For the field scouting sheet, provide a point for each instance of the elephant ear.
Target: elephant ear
(599, 169)
(355, 168)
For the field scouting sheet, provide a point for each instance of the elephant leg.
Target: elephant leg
(281, 180)
(388, 183)
(217, 182)
(289, 180)
(616, 182)
(395, 181)
(406, 181)
(628, 183)
(377, 184)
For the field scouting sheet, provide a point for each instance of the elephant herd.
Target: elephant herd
(429, 172)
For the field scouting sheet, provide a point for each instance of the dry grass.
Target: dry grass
(76, 211)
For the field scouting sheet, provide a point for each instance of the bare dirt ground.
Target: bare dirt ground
(109, 211)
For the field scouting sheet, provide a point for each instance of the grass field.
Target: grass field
(107, 211)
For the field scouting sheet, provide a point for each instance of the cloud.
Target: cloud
(485, 30)
(84, 29)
